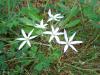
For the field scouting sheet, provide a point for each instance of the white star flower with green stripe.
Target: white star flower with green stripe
(55, 17)
(54, 34)
(41, 25)
(26, 39)
(69, 42)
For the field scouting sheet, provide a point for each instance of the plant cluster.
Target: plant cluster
(54, 34)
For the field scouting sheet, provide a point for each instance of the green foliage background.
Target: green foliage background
(82, 16)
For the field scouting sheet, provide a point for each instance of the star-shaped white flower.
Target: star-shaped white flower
(69, 42)
(54, 33)
(41, 25)
(26, 39)
(55, 17)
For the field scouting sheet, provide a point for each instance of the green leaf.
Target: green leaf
(25, 62)
(27, 21)
(33, 51)
(13, 22)
(73, 23)
(3, 65)
(90, 14)
(43, 62)
(42, 65)
(95, 25)
(56, 54)
(73, 12)
(41, 57)
(82, 1)
(32, 13)
(1, 45)
(3, 28)
(93, 2)
(61, 7)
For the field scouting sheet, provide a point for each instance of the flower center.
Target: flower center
(67, 43)
(53, 33)
(27, 38)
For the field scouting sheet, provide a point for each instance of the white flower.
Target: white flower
(41, 25)
(26, 39)
(54, 33)
(54, 17)
(69, 42)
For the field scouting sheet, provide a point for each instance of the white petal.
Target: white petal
(56, 30)
(42, 27)
(50, 19)
(49, 13)
(47, 32)
(57, 39)
(57, 15)
(56, 19)
(72, 37)
(61, 42)
(76, 42)
(73, 48)
(51, 38)
(23, 33)
(20, 39)
(32, 37)
(37, 25)
(30, 33)
(41, 23)
(52, 28)
(60, 33)
(65, 48)
(45, 24)
(21, 45)
(65, 35)
(28, 42)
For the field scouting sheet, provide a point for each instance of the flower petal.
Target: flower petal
(52, 28)
(50, 19)
(57, 39)
(57, 15)
(41, 23)
(49, 13)
(61, 42)
(65, 48)
(65, 35)
(21, 45)
(42, 27)
(56, 30)
(37, 25)
(60, 33)
(72, 37)
(73, 48)
(45, 24)
(30, 33)
(47, 32)
(51, 38)
(56, 19)
(32, 37)
(28, 42)
(23, 33)
(21, 39)
(76, 42)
